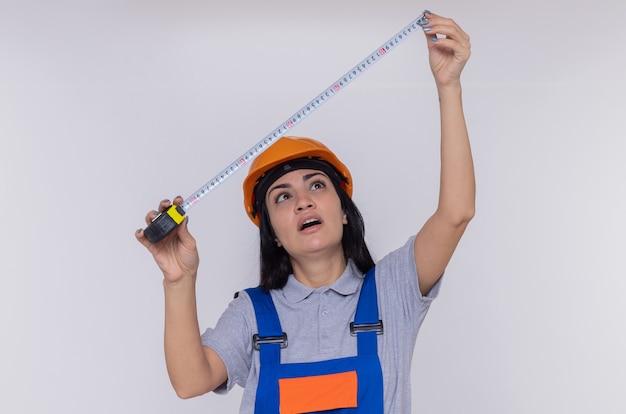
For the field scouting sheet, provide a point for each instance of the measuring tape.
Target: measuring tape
(166, 222)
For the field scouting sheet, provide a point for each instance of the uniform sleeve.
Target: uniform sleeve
(231, 339)
(399, 293)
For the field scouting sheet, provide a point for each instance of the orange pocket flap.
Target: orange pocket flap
(318, 393)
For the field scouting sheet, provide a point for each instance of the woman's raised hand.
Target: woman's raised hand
(448, 49)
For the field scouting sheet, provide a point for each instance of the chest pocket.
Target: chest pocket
(318, 393)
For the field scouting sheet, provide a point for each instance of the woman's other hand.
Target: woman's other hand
(176, 255)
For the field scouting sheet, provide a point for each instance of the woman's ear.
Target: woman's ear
(345, 218)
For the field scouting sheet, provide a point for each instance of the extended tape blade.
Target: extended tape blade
(303, 112)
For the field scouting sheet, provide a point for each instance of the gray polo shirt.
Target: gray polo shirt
(317, 324)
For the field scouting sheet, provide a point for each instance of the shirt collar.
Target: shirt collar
(347, 284)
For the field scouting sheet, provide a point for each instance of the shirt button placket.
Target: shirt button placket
(325, 334)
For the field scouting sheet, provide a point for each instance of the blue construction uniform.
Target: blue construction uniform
(343, 385)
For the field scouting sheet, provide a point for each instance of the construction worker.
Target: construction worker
(327, 329)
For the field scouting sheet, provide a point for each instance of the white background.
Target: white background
(106, 107)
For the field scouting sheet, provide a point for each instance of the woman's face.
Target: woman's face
(305, 213)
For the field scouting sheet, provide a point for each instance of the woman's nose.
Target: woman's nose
(304, 202)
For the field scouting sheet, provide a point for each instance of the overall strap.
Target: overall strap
(367, 325)
(270, 337)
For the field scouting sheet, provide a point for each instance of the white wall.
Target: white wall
(108, 106)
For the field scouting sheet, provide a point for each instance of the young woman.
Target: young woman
(327, 329)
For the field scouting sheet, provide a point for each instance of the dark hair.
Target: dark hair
(275, 262)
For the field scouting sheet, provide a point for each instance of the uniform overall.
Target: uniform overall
(343, 385)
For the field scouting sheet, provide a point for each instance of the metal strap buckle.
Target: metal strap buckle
(366, 327)
(257, 340)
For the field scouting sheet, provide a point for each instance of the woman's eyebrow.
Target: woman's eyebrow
(307, 177)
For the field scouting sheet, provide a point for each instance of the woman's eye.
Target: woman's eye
(317, 185)
(282, 197)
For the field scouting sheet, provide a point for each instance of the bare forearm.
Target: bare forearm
(457, 186)
(187, 365)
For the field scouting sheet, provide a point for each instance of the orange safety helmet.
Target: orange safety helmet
(283, 150)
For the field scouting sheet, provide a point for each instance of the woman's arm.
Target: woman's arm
(193, 369)
(436, 241)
